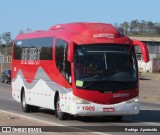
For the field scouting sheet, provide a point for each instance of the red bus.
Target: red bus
(80, 69)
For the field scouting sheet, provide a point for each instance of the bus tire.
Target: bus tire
(25, 107)
(58, 113)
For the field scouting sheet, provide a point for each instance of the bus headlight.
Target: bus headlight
(133, 100)
(78, 100)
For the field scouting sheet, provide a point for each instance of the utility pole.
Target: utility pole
(28, 30)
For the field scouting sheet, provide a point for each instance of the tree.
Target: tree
(157, 28)
(134, 26)
(125, 27)
(142, 26)
(150, 26)
(7, 37)
(139, 28)
(0, 39)
(5, 43)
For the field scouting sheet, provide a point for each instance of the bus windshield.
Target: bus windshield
(105, 67)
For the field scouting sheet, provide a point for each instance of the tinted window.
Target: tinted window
(106, 67)
(61, 58)
(33, 49)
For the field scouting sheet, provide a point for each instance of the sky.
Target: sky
(16, 15)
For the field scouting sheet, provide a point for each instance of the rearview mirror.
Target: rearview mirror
(143, 49)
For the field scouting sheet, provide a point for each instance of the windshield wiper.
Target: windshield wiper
(94, 77)
(97, 80)
(90, 84)
(91, 78)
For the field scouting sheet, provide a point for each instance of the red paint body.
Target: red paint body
(79, 33)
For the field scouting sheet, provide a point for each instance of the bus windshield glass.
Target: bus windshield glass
(106, 67)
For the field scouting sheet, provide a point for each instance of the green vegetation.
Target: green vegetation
(139, 28)
(5, 43)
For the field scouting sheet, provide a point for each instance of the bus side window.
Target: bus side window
(61, 58)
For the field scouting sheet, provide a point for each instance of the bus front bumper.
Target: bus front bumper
(93, 109)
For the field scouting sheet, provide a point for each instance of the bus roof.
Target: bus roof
(81, 33)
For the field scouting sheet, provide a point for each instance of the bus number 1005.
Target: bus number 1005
(88, 108)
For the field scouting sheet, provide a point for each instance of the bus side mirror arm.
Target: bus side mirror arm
(70, 52)
(143, 49)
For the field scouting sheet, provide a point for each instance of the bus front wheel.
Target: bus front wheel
(58, 113)
(25, 106)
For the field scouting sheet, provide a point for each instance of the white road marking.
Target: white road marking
(51, 123)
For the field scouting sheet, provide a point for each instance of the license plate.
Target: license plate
(108, 109)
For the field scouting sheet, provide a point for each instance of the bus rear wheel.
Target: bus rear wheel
(58, 113)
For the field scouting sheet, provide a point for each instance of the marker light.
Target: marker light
(133, 100)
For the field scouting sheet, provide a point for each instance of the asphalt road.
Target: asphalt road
(149, 115)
